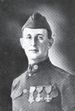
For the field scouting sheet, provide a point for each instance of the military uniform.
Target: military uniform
(43, 87)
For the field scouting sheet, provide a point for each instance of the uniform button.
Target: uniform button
(35, 67)
(29, 74)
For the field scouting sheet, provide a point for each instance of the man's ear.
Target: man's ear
(21, 42)
(50, 42)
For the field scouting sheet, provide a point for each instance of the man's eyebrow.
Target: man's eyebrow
(36, 34)
(28, 34)
(40, 34)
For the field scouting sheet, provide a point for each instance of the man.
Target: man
(43, 87)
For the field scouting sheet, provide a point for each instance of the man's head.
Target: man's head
(37, 21)
(36, 37)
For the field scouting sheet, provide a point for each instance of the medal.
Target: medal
(48, 91)
(54, 92)
(31, 97)
(39, 90)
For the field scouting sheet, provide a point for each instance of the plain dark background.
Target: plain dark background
(13, 14)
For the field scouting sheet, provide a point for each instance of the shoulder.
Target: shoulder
(60, 76)
(66, 76)
(66, 84)
(67, 81)
(17, 85)
(60, 73)
(17, 81)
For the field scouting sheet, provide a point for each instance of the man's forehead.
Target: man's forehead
(34, 31)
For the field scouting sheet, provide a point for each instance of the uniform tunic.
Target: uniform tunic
(43, 87)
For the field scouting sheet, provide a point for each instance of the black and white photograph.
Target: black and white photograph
(37, 55)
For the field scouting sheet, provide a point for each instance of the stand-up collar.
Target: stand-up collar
(43, 65)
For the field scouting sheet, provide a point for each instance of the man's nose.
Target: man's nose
(34, 42)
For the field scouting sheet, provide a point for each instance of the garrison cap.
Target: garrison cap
(37, 21)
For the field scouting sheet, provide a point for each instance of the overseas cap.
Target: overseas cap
(37, 21)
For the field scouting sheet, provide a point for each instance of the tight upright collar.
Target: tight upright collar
(43, 65)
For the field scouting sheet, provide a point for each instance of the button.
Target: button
(29, 74)
(35, 67)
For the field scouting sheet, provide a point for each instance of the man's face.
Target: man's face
(35, 43)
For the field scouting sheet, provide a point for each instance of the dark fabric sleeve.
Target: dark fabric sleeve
(68, 94)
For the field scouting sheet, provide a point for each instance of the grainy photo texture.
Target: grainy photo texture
(37, 57)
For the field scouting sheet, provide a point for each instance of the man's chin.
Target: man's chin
(33, 56)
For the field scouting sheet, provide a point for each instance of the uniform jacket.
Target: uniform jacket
(43, 87)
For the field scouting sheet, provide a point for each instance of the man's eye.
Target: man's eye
(40, 38)
(28, 36)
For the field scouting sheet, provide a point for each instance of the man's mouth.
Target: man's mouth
(34, 50)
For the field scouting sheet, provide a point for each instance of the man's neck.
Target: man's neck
(35, 61)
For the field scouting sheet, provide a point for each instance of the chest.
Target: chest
(39, 98)
(39, 94)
